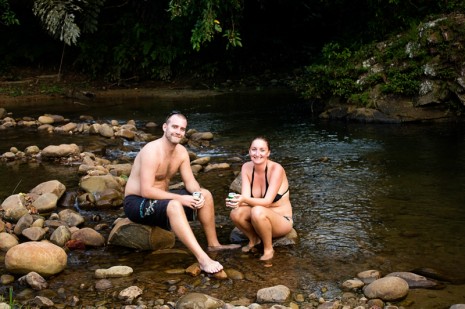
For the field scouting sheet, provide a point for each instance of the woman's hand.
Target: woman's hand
(233, 202)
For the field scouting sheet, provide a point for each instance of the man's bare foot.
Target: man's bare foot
(211, 267)
(224, 247)
(250, 246)
(267, 255)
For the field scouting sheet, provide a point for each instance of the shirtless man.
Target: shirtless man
(149, 201)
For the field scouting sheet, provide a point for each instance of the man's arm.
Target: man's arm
(149, 164)
(187, 175)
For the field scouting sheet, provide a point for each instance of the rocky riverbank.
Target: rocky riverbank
(39, 240)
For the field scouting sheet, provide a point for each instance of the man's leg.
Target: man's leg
(206, 216)
(181, 228)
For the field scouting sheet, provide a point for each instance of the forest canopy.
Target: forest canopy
(118, 39)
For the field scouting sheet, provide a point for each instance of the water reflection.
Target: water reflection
(388, 197)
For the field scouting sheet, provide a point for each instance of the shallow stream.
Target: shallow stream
(365, 196)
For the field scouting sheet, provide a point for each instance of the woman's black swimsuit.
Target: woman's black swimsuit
(277, 197)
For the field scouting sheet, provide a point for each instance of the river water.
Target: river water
(365, 196)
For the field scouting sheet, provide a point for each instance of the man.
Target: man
(149, 201)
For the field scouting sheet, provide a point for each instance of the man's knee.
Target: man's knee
(205, 193)
(174, 207)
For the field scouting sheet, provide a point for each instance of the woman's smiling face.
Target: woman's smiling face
(259, 150)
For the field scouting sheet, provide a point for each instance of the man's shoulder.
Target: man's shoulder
(152, 144)
(181, 149)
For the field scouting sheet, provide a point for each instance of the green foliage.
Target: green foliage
(12, 91)
(133, 47)
(360, 99)
(452, 5)
(431, 51)
(206, 16)
(51, 89)
(402, 82)
(60, 17)
(7, 17)
(335, 75)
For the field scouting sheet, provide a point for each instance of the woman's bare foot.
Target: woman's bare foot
(267, 255)
(250, 246)
(211, 266)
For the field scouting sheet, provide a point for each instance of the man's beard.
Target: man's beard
(173, 139)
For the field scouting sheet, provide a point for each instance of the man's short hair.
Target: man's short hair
(175, 112)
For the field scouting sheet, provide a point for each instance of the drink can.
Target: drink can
(231, 195)
(196, 195)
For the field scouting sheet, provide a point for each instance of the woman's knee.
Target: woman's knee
(258, 212)
(238, 214)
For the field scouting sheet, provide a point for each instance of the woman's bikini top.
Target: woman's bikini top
(277, 197)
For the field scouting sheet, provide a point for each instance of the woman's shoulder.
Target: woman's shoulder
(275, 166)
(247, 168)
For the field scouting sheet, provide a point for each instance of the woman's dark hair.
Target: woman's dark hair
(263, 139)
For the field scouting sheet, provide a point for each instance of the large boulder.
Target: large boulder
(14, 207)
(387, 289)
(143, 237)
(63, 150)
(44, 258)
(51, 186)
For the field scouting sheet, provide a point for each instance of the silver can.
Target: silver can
(196, 195)
(231, 195)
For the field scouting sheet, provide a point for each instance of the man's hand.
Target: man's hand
(199, 202)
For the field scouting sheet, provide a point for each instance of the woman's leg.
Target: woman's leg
(242, 219)
(268, 225)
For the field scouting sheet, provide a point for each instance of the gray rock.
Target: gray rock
(34, 233)
(130, 293)
(368, 276)
(23, 223)
(114, 272)
(60, 236)
(51, 186)
(63, 150)
(43, 302)
(387, 289)
(14, 207)
(7, 241)
(414, 280)
(290, 238)
(46, 203)
(275, 294)
(71, 217)
(198, 300)
(34, 280)
(89, 237)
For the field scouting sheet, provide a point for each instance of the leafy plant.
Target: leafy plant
(7, 16)
(59, 18)
(207, 20)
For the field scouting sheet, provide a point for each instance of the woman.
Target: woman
(263, 210)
